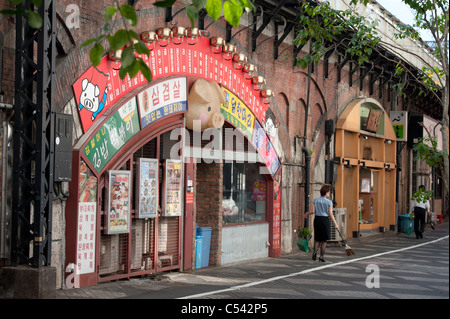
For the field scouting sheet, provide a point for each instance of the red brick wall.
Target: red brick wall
(208, 205)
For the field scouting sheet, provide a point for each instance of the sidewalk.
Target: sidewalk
(172, 285)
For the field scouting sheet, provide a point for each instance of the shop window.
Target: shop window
(369, 196)
(244, 193)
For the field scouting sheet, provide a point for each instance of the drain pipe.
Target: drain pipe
(305, 149)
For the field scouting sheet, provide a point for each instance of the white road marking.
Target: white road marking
(251, 284)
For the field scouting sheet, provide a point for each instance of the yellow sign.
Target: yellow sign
(237, 113)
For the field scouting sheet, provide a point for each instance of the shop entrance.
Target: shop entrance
(369, 198)
(152, 244)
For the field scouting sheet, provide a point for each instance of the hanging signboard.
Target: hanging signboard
(399, 120)
(118, 202)
(265, 149)
(112, 135)
(172, 188)
(147, 187)
(276, 239)
(374, 120)
(87, 221)
(162, 99)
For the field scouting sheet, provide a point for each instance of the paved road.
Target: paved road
(386, 267)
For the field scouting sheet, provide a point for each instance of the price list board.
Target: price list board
(172, 189)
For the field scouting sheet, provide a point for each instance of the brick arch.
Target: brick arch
(300, 116)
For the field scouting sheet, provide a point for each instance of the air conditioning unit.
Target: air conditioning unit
(340, 214)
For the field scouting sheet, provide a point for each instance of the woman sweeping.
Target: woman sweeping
(323, 209)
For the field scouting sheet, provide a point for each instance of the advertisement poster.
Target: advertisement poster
(162, 99)
(259, 190)
(87, 218)
(148, 187)
(173, 190)
(112, 135)
(118, 204)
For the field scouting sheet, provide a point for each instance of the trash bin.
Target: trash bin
(405, 224)
(205, 232)
(198, 251)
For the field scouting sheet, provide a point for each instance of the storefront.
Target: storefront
(366, 175)
(159, 159)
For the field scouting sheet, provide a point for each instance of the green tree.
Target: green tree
(125, 38)
(327, 30)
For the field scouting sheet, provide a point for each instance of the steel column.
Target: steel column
(33, 139)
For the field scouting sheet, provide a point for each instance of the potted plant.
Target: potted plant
(304, 235)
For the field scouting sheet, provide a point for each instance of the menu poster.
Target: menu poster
(173, 191)
(148, 187)
(365, 185)
(87, 217)
(118, 202)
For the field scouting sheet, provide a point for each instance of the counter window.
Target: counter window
(244, 193)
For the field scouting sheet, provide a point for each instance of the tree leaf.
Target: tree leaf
(214, 8)
(87, 42)
(127, 57)
(141, 48)
(192, 14)
(164, 4)
(109, 13)
(128, 12)
(199, 4)
(95, 55)
(232, 12)
(118, 40)
(145, 70)
(34, 20)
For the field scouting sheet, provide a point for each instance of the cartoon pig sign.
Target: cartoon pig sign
(204, 103)
(90, 98)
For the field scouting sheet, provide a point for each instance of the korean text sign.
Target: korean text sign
(112, 135)
(162, 99)
(236, 112)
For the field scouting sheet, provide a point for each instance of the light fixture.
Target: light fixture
(149, 36)
(248, 70)
(178, 34)
(266, 93)
(258, 81)
(228, 49)
(388, 142)
(363, 166)
(191, 35)
(239, 59)
(192, 32)
(347, 163)
(216, 43)
(115, 55)
(164, 34)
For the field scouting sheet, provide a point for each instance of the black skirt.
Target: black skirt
(321, 228)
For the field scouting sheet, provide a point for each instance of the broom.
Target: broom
(348, 249)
